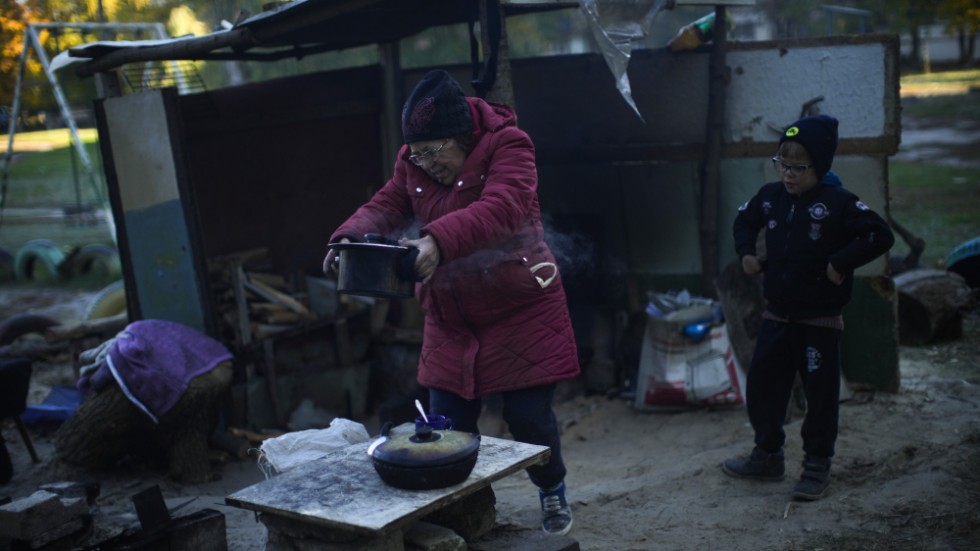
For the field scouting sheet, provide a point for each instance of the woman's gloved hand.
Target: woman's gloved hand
(330, 261)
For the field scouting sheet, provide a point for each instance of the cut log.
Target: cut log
(742, 303)
(107, 428)
(930, 305)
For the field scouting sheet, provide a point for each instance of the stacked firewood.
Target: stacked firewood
(252, 303)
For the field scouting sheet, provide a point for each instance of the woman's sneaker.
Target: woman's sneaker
(760, 465)
(556, 515)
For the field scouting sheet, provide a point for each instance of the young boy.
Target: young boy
(817, 234)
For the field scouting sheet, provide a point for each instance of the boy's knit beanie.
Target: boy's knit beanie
(818, 134)
(436, 109)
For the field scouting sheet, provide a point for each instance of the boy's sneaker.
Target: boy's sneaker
(760, 465)
(556, 515)
(814, 479)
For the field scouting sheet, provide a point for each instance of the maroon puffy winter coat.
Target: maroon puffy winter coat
(490, 325)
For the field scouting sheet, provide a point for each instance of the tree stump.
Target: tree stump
(107, 428)
(929, 305)
(742, 303)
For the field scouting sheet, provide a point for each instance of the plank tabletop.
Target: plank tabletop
(342, 491)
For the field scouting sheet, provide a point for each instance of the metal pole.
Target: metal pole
(63, 105)
(711, 169)
(14, 113)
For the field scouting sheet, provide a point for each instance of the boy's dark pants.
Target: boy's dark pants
(783, 350)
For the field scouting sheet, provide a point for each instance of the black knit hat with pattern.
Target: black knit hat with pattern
(436, 109)
(818, 134)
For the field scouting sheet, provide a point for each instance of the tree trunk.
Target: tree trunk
(107, 427)
(929, 305)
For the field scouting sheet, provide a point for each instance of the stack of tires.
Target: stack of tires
(42, 261)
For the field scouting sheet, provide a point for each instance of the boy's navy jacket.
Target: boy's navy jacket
(804, 233)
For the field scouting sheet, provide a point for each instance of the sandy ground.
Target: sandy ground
(906, 476)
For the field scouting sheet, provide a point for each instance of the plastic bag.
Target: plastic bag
(282, 453)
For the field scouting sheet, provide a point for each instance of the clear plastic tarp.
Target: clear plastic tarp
(618, 26)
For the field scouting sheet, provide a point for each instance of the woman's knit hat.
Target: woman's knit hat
(436, 109)
(818, 134)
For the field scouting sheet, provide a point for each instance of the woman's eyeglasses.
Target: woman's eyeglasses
(795, 170)
(420, 158)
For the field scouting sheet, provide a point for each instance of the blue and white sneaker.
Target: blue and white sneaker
(556, 515)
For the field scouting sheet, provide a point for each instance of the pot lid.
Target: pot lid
(368, 247)
(427, 448)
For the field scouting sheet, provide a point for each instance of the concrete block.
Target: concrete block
(431, 537)
(200, 531)
(38, 513)
(470, 517)
(86, 490)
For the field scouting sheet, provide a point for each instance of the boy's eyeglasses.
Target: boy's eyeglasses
(420, 158)
(795, 170)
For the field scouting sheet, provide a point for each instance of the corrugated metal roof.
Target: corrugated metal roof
(295, 29)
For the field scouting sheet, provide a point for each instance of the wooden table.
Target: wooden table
(344, 498)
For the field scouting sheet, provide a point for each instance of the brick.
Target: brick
(86, 490)
(38, 513)
(432, 537)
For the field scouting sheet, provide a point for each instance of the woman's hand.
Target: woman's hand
(428, 258)
(751, 264)
(330, 261)
(833, 275)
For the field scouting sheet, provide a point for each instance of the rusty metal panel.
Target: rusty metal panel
(282, 163)
(573, 111)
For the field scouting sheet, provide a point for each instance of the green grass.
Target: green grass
(937, 203)
(940, 83)
(940, 204)
(46, 173)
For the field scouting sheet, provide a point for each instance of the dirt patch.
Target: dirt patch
(906, 476)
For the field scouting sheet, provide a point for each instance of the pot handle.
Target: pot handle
(406, 266)
(405, 270)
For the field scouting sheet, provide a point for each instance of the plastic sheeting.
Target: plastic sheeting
(617, 25)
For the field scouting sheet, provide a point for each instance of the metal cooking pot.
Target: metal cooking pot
(426, 459)
(376, 268)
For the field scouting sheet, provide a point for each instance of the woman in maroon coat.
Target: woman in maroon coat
(496, 318)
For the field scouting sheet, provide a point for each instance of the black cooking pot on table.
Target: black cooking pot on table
(378, 267)
(426, 459)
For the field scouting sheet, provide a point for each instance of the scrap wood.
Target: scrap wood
(253, 436)
(101, 326)
(267, 292)
(280, 318)
(272, 280)
(220, 263)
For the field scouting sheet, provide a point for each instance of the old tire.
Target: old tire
(7, 273)
(95, 261)
(38, 260)
(109, 302)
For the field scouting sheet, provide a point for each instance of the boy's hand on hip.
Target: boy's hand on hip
(751, 264)
(833, 275)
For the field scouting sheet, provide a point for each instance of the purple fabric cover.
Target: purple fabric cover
(155, 360)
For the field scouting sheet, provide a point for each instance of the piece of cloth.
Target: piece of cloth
(804, 233)
(436, 109)
(153, 362)
(818, 134)
(530, 418)
(490, 326)
(782, 351)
